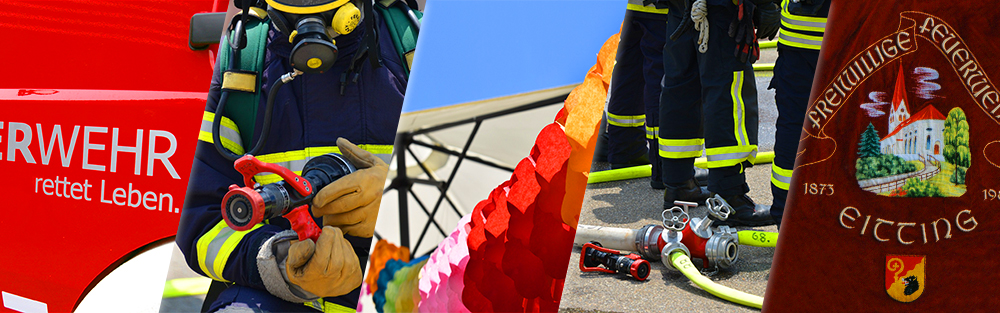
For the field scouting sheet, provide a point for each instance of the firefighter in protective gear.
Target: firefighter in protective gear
(633, 97)
(633, 103)
(802, 25)
(265, 268)
(709, 103)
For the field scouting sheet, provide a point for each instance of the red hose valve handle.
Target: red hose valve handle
(594, 255)
(303, 223)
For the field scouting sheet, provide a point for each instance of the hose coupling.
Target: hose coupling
(647, 241)
(722, 249)
(672, 240)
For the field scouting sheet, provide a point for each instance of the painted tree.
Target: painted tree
(869, 145)
(956, 143)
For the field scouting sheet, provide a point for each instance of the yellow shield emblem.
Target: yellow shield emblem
(904, 276)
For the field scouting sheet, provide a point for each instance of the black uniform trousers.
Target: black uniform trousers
(792, 82)
(634, 96)
(708, 101)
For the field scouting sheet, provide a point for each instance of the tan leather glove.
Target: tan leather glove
(352, 201)
(327, 268)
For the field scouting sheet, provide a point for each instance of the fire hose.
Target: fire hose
(682, 262)
(681, 238)
(645, 170)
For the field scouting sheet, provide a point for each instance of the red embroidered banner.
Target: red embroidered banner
(894, 201)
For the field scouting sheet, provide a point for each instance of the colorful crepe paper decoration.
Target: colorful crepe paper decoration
(521, 236)
(383, 252)
(441, 282)
(396, 283)
(401, 292)
(510, 254)
(385, 260)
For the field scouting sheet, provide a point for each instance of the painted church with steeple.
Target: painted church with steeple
(911, 136)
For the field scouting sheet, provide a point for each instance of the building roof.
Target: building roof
(899, 95)
(928, 113)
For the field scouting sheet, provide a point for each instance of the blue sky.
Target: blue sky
(474, 50)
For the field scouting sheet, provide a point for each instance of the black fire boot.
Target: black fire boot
(686, 191)
(745, 213)
(658, 185)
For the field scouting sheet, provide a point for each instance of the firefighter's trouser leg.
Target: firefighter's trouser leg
(710, 100)
(654, 36)
(624, 110)
(792, 82)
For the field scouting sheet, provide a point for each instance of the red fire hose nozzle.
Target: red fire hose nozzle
(244, 207)
(615, 261)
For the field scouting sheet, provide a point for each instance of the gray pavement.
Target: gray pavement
(633, 204)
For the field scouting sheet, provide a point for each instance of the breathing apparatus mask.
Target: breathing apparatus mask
(311, 26)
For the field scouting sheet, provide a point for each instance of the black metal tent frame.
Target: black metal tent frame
(403, 184)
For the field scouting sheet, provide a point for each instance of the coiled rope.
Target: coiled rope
(699, 14)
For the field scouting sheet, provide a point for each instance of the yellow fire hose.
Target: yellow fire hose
(645, 170)
(758, 238)
(763, 67)
(683, 263)
(182, 287)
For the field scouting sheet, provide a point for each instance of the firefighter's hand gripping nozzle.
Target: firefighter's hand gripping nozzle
(594, 255)
(244, 207)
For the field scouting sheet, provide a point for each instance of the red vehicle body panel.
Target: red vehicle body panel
(106, 67)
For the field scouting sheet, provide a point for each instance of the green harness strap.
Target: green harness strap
(241, 107)
(404, 35)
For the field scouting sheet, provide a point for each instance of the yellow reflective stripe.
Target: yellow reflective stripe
(317, 151)
(228, 133)
(228, 144)
(305, 9)
(239, 81)
(329, 307)
(730, 156)
(226, 122)
(807, 23)
(796, 23)
(682, 142)
(626, 120)
(681, 148)
(652, 132)
(296, 160)
(265, 179)
(799, 40)
(780, 171)
(647, 9)
(215, 246)
(739, 122)
(780, 177)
